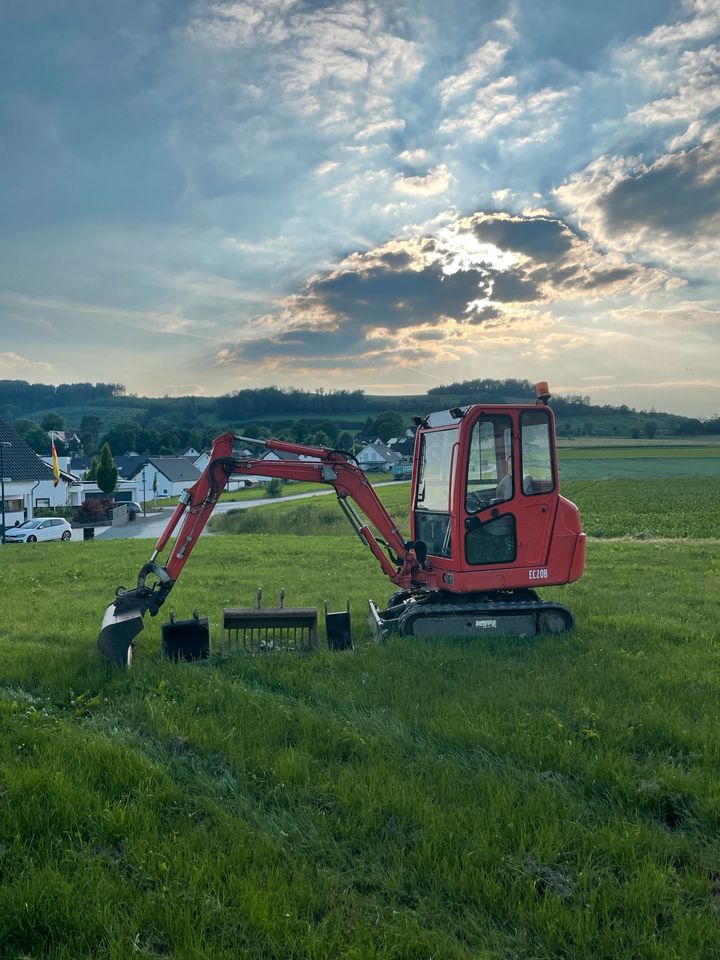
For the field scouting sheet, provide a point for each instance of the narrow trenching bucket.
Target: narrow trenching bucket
(185, 639)
(337, 627)
(258, 629)
(117, 634)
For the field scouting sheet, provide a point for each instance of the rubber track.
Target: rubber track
(490, 608)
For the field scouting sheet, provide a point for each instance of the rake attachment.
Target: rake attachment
(185, 639)
(257, 630)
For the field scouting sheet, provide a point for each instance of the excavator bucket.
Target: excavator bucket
(185, 639)
(117, 633)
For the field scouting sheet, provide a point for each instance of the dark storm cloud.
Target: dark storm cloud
(400, 298)
(677, 195)
(541, 238)
(415, 296)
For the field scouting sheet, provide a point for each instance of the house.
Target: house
(404, 445)
(64, 436)
(126, 464)
(21, 470)
(164, 476)
(49, 494)
(377, 456)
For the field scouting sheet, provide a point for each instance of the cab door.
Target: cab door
(537, 484)
(490, 527)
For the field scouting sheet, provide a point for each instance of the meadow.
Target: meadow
(524, 799)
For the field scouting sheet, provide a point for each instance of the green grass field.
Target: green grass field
(521, 799)
(641, 509)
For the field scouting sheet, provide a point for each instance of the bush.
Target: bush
(274, 487)
(67, 512)
(94, 510)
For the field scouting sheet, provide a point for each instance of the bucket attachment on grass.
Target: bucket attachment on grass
(280, 629)
(117, 633)
(337, 626)
(185, 639)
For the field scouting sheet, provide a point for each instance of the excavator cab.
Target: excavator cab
(485, 501)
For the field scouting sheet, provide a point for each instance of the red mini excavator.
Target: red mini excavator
(487, 526)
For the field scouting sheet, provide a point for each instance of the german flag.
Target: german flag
(55, 464)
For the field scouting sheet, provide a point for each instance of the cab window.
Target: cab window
(432, 518)
(537, 461)
(490, 467)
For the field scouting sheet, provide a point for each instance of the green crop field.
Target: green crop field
(638, 461)
(525, 799)
(642, 509)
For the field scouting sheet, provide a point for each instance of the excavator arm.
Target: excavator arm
(402, 561)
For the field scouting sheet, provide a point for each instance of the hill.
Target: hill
(165, 424)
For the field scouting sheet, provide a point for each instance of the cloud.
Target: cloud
(414, 156)
(480, 65)
(11, 364)
(435, 296)
(433, 182)
(531, 117)
(667, 210)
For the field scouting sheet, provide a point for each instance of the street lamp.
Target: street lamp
(3, 444)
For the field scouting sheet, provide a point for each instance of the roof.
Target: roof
(20, 462)
(287, 455)
(390, 456)
(176, 469)
(125, 463)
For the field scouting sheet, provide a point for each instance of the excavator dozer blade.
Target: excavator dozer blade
(117, 633)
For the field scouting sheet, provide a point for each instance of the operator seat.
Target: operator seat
(503, 491)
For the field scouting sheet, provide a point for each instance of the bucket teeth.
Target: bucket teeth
(117, 633)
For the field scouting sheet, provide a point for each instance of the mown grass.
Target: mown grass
(528, 799)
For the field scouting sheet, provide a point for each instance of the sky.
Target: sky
(200, 197)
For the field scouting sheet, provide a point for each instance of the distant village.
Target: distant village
(38, 485)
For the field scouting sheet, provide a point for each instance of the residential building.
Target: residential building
(22, 472)
(164, 476)
(377, 456)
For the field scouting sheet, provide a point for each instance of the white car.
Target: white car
(42, 528)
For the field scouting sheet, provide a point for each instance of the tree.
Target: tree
(33, 435)
(107, 472)
(91, 474)
(52, 421)
(344, 441)
(650, 428)
(388, 424)
(90, 432)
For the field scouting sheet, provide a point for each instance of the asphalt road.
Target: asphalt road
(152, 526)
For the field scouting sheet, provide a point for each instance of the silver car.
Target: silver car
(42, 528)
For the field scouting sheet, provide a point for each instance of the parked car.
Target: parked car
(132, 506)
(42, 528)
